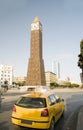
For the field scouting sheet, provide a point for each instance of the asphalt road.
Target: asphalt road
(73, 101)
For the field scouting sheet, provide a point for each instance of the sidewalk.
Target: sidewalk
(80, 120)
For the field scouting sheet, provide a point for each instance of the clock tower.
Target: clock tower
(36, 72)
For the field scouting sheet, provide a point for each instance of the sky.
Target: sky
(62, 23)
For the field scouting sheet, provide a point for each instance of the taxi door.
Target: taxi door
(61, 106)
(53, 107)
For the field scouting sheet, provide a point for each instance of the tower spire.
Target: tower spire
(36, 19)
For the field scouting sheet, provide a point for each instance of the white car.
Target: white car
(34, 88)
(38, 88)
(23, 88)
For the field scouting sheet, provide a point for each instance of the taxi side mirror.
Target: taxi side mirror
(57, 100)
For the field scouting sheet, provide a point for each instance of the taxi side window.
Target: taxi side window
(58, 99)
(51, 99)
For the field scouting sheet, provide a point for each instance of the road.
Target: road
(73, 101)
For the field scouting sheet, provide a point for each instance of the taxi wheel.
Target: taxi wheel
(52, 125)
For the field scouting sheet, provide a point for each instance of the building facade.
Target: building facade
(6, 74)
(19, 79)
(36, 72)
(50, 78)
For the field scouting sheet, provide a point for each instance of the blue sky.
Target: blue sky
(62, 22)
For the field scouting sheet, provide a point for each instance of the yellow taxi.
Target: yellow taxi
(38, 110)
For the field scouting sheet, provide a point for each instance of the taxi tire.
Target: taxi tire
(52, 124)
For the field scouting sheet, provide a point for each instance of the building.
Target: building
(50, 78)
(56, 68)
(6, 74)
(36, 72)
(19, 79)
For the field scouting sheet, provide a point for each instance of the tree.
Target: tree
(80, 61)
(81, 47)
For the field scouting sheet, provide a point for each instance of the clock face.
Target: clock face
(35, 26)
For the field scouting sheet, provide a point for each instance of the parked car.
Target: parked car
(23, 88)
(38, 110)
